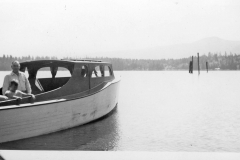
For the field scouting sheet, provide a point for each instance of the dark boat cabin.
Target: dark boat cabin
(54, 79)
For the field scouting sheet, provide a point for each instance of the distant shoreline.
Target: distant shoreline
(226, 62)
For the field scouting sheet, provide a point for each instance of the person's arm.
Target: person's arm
(28, 86)
(9, 95)
(5, 84)
(16, 97)
(27, 94)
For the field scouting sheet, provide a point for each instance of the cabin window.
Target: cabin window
(63, 72)
(84, 71)
(107, 71)
(23, 69)
(97, 72)
(26, 72)
(44, 72)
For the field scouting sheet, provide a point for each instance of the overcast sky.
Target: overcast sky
(70, 28)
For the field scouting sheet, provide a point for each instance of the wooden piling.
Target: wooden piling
(192, 64)
(190, 67)
(198, 64)
(207, 66)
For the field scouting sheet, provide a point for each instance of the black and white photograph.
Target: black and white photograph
(119, 79)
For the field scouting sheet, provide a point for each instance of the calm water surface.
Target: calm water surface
(159, 111)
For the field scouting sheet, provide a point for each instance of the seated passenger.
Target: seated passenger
(24, 84)
(83, 72)
(13, 93)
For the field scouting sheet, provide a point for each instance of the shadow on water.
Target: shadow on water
(101, 134)
(1, 158)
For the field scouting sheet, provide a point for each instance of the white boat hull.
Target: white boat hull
(29, 120)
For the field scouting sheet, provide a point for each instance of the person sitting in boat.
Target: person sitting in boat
(13, 93)
(24, 84)
(84, 71)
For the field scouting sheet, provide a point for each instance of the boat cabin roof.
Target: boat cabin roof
(34, 66)
(63, 61)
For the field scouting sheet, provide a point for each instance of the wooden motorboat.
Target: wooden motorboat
(90, 92)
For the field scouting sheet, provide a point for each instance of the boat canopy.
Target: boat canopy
(34, 66)
(85, 76)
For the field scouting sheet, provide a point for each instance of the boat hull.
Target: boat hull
(41, 118)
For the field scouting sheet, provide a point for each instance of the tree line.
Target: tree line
(215, 60)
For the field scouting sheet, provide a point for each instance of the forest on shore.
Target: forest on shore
(228, 61)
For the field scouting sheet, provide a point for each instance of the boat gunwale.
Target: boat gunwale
(59, 100)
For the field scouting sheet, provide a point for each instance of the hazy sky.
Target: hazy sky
(70, 28)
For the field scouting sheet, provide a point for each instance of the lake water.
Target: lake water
(159, 111)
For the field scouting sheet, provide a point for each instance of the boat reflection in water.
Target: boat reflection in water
(98, 135)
